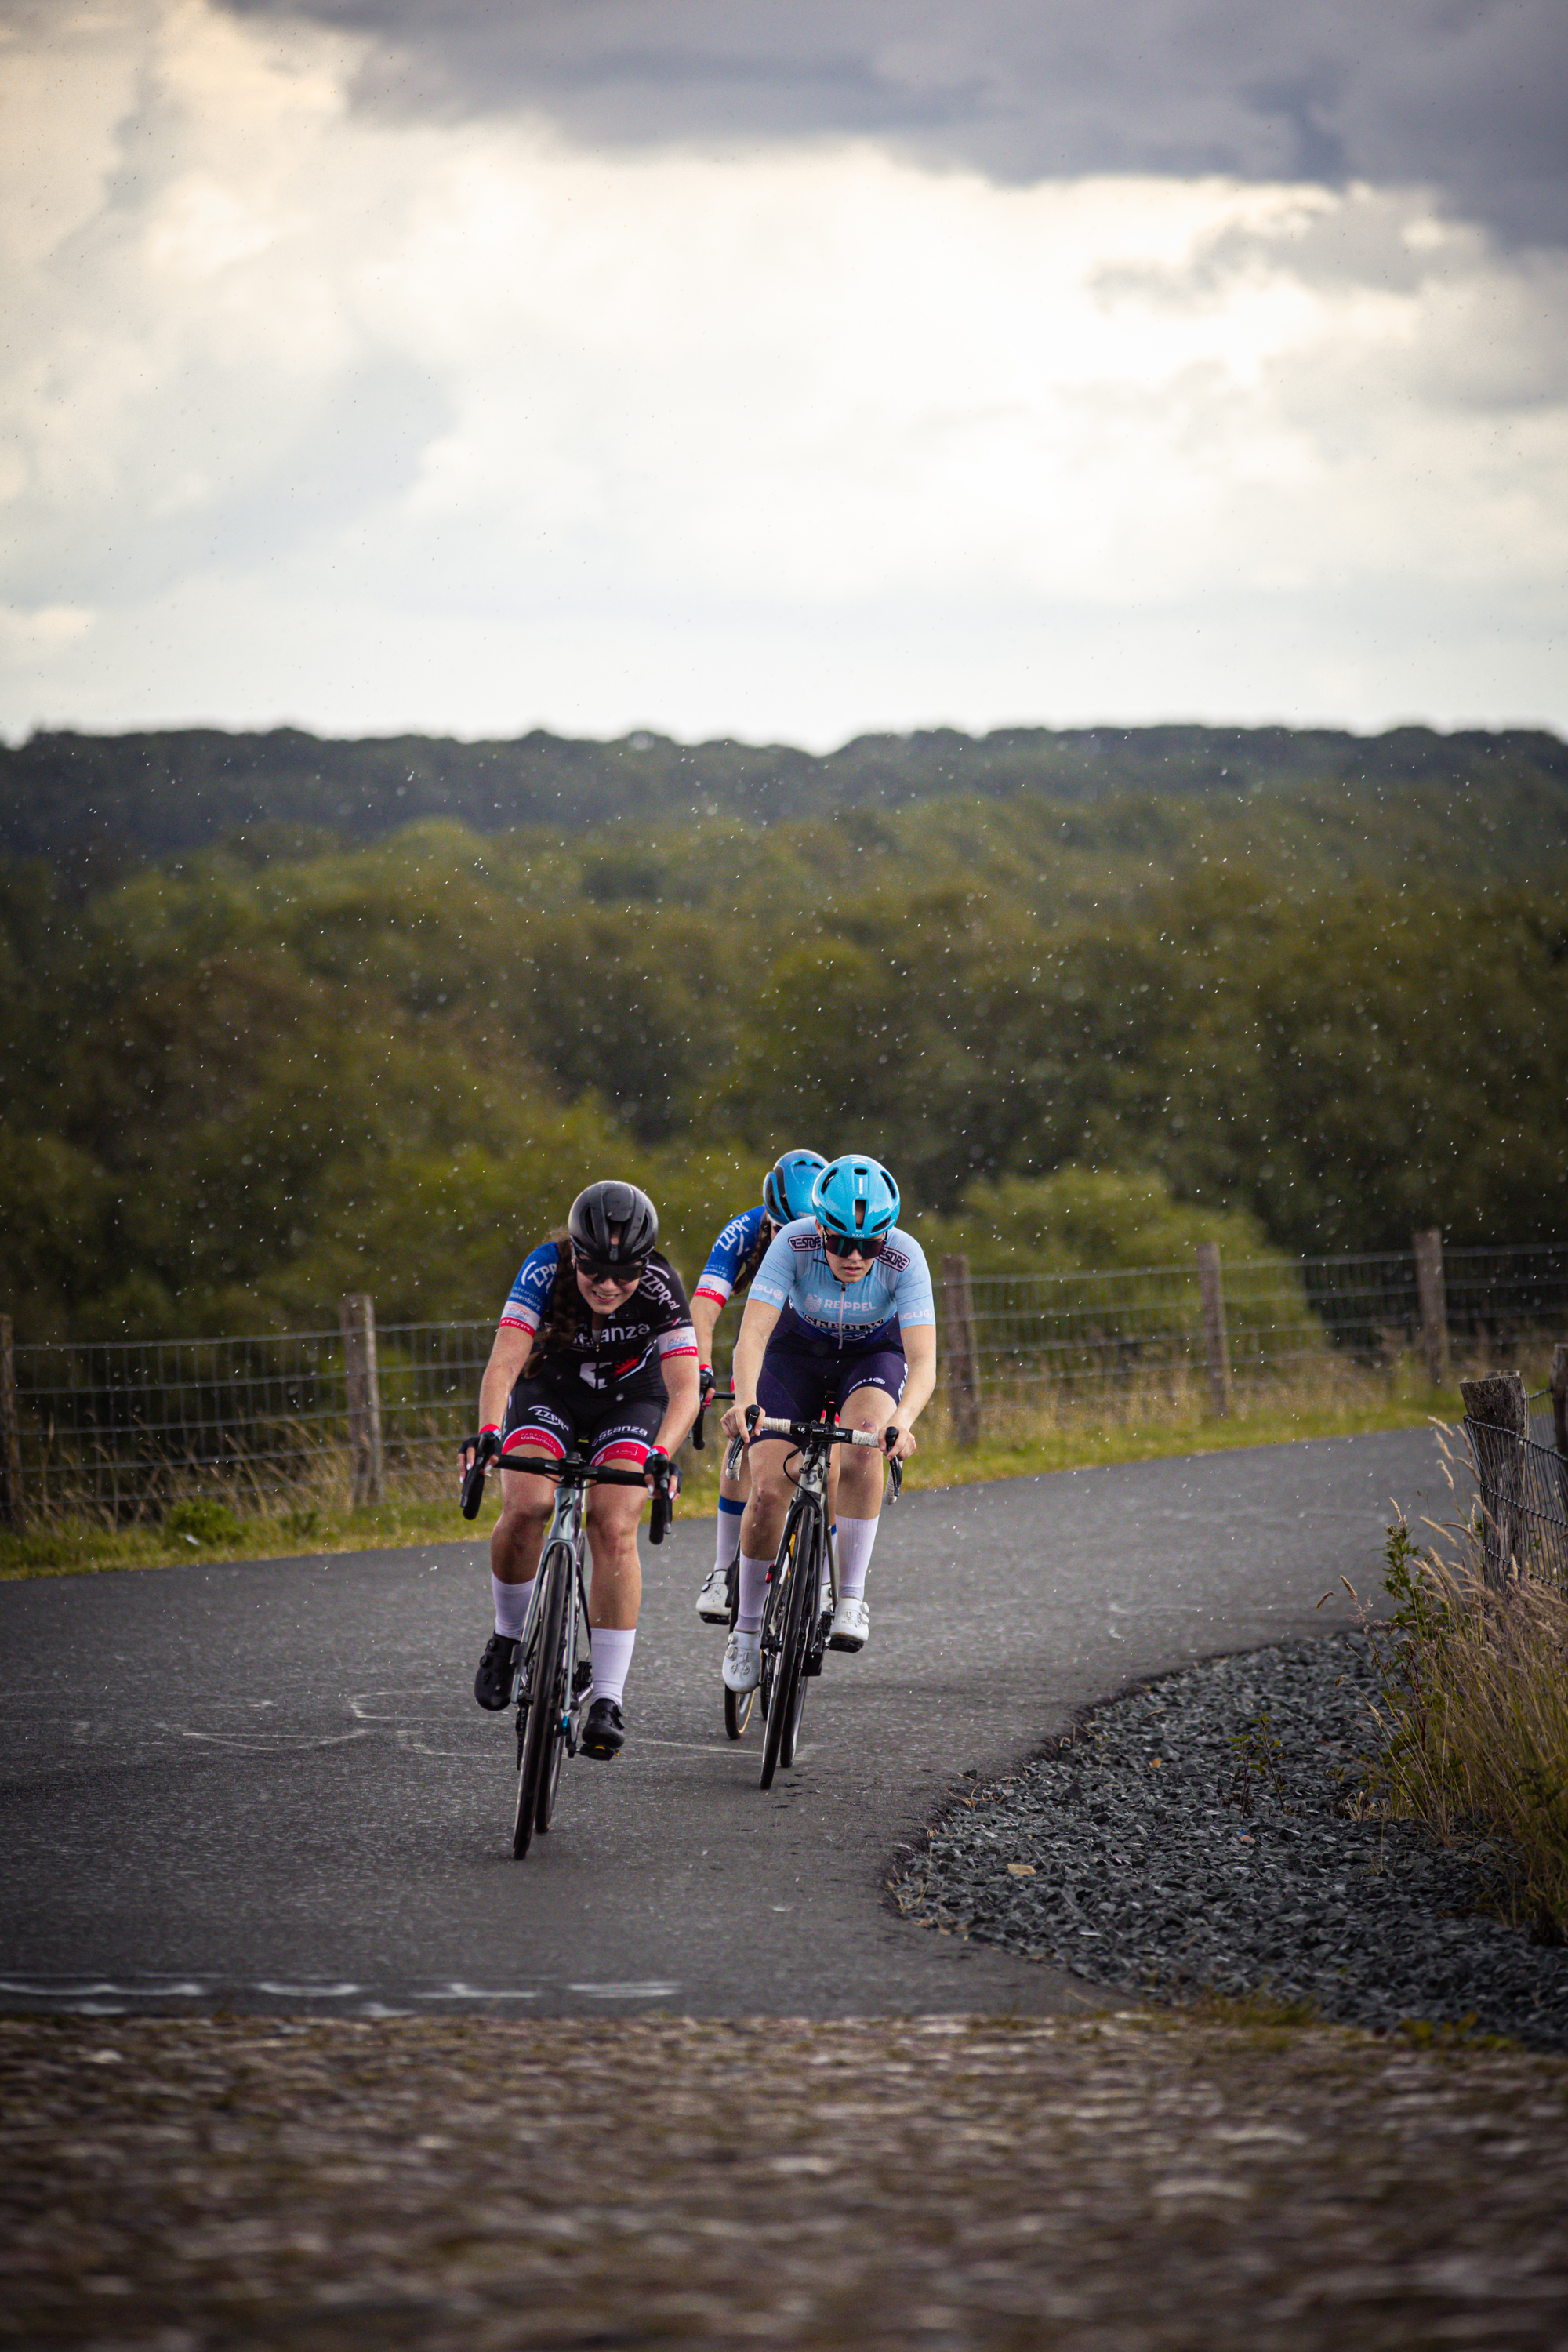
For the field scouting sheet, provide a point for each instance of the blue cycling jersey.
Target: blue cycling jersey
(895, 1287)
(728, 1255)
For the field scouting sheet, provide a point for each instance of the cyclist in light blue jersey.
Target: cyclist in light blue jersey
(733, 1261)
(840, 1314)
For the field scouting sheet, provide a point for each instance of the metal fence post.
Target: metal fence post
(358, 1314)
(1431, 1297)
(1496, 1422)
(963, 1375)
(1216, 1347)
(13, 1505)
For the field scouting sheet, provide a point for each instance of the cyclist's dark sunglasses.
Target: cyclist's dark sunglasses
(629, 1269)
(867, 1246)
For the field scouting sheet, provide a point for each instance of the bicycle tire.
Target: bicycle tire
(783, 1715)
(803, 1626)
(543, 1710)
(550, 1783)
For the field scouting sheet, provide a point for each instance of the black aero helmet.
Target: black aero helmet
(613, 1224)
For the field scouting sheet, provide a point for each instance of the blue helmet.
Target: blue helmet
(787, 1186)
(855, 1197)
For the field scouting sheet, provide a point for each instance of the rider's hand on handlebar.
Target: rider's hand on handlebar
(484, 1449)
(734, 1424)
(661, 1475)
(706, 1384)
(899, 1443)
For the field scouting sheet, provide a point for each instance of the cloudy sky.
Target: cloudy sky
(780, 368)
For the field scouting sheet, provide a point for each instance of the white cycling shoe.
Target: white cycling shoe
(713, 1600)
(851, 1624)
(742, 1661)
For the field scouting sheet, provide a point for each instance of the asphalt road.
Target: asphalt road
(266, 1784)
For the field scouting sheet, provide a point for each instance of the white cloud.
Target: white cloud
(367, 424)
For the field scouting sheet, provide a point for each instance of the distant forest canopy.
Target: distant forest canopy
(1084, 1031)
(94, 806)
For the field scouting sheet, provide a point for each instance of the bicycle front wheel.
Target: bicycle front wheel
(541, 1731)
(794, 1595)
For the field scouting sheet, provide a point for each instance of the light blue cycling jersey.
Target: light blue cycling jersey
(895, 1287)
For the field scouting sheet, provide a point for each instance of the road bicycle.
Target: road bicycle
(554, 1668)
(802, 1583)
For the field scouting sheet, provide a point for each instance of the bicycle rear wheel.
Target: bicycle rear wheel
(793, 1594)
(541, 1736)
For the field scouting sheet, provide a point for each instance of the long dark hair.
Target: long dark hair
(559, 1328)
(755, 1254)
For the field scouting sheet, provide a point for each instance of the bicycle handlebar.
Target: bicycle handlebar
(713, 1396)
(831, 1432)
(577, 1472)
(802, 1432)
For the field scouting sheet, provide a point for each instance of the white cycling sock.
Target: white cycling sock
(512, 1606)
(611, 1656)
(855, 1537)
(726, 1533)
(753, 1585)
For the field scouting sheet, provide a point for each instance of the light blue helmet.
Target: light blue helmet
(855, 1196)
(787, 1186)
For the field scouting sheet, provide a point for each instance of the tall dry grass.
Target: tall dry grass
(1473, 1712)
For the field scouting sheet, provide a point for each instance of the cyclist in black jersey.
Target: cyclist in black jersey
(595, 1352)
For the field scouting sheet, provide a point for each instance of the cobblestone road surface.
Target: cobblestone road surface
(1108, 2186)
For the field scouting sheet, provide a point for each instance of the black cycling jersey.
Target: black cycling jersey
(629, 1346)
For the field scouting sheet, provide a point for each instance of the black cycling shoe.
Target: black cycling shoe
(492, 1684)
(604, 1732)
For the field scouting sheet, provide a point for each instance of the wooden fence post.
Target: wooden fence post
(1433, 1300)
(1216, 1347)
(358, 1313)
(1497, 1420)
(1558, 1384)
(963, 1375)
(12, 1504)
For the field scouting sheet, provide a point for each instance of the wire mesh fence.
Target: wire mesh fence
(124, 1428)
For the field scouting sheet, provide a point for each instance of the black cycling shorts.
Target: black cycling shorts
(799, 1378)
(544, 1416)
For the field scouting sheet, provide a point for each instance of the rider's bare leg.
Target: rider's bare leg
(516, 1541)
(861, 1489)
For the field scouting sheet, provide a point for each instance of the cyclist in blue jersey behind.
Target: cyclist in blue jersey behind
(595, 1352)
(840, 1314)
(731, 1262)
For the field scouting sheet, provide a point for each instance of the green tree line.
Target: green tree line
(242, 1082)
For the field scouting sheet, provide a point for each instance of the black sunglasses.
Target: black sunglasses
(628, 1270)
(865, 1246)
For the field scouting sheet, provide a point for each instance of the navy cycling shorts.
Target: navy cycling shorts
(800, 1379)
(543, 1417)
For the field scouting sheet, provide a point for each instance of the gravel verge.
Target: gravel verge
(1200, 1836)
(1115, 2185)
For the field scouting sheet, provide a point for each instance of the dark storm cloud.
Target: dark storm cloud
(1465, 96)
